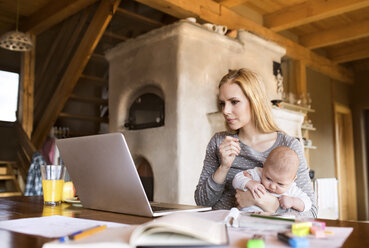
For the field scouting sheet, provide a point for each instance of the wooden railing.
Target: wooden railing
(24, 152)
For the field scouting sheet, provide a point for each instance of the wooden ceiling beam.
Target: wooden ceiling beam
(52, 14)
(310, 11)
(231, 3)
(350, 53)
(139, 17)
(335, 35)
(213, 12)
(95, 30)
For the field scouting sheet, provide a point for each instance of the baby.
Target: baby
(277, 176)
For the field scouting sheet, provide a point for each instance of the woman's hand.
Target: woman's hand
(267, 202)
(228, 150)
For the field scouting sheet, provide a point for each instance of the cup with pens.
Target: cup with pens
(52, 183)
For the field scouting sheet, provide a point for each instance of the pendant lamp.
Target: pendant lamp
(15, 40)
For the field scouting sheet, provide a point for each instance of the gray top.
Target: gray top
(222, 196)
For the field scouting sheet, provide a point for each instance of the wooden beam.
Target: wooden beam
(213, 12)
(53, 13)
(300, 77)
(139, 17)
(231, 3)
(310, 11)
(25, 151)
(349, 53)
(27, 81)
(335, 35)
(98, 80)
(98, 56)
(95, 30)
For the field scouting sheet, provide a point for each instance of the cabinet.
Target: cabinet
(306, 126)
(293, 119)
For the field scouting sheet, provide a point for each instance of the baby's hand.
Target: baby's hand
(285, 202)
(257, 189)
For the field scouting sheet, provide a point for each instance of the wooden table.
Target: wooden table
(24, 207)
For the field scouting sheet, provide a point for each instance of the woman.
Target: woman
(252, 135)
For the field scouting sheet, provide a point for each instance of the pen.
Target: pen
(82, 233)
(271, 217)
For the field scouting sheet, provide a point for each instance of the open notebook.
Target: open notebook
(104, 174)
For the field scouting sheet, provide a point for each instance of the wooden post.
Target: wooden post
(300, 77)
(27, 82)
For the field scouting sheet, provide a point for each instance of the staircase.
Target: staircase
(72, 74)
(9, 185)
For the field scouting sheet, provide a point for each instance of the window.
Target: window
(9, 83)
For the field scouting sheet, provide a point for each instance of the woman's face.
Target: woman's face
(235, 106)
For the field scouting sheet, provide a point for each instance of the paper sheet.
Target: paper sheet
(110, 237)
(57, 226)
(239, 236)
(52, 226)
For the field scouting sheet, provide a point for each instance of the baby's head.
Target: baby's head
(279, 170)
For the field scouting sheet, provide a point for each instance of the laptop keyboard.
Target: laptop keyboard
(158, 208)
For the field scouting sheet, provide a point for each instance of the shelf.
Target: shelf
(310, 147)
(295, 107)
(308, 128)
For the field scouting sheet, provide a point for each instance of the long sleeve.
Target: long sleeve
(222, 196)
(208, 192)
(240, 180)
(34, 181)
(303, 180)
(297, 192)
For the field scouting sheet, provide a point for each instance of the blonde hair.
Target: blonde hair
(254, 89)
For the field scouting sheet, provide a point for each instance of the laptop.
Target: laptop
(105, 176)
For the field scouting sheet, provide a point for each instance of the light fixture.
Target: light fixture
(15, 40)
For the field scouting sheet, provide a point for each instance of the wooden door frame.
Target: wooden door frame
(346, 111)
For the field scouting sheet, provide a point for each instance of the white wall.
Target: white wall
(321, 159)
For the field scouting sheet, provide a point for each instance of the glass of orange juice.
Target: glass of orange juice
(52, 183)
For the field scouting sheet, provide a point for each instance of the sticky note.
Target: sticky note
(299, 242)
(301, 229)
(317, 232)
(301, 224)
(255, 243)
(319, 224)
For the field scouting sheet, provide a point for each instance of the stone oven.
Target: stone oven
(181, 64)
